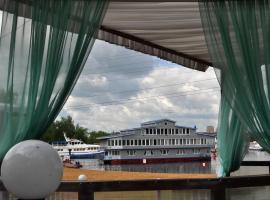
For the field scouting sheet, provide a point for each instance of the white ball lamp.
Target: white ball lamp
(31, 170)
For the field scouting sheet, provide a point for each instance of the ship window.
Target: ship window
(164, 151)
(143, 142)
(187, 130)
(131, 152)
(180, 151)
(89, 149)
(196, 151)
(162, 141)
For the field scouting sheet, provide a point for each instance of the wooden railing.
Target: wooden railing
(217, 186)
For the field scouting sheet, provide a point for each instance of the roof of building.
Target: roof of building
(156, 121)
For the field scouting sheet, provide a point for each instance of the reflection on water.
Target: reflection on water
(182, 167)
(185, 167)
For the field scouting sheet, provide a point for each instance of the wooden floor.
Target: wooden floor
(96, 175)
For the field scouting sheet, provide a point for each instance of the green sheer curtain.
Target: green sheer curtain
(232, 139)
(43, 48)
(238, 39)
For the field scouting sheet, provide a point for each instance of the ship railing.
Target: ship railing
(216, 186)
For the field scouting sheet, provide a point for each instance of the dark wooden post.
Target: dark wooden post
(84, 193)
(218, 193)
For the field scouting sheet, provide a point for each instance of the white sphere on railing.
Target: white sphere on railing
(82, 177)
(31, 170)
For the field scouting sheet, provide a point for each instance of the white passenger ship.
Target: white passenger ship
(157, 141)
(77, 149)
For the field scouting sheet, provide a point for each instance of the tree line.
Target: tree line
(56, 131)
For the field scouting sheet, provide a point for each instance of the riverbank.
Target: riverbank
(98, 175)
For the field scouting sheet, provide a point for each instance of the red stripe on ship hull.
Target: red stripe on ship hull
(155, 160)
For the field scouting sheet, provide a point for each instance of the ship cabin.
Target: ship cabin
(155, 142)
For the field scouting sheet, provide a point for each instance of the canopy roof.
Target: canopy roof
(169, 30)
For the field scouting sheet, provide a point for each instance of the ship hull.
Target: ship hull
(155, 160)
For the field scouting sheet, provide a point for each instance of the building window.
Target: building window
(147, 142)
(158, 131)
(143, 142)
(173, 141)
(136, 142)
(155, 142)
(120, 142)
(187, 141)
(191, 141)
(140, 142)
(127, 142)
(161, 131)
(166, 131)
(187, 130)
(124, 142)
(176, 131)
(116, 142)
(164, 151)
(112, 142)
(131, 142)
(201, 140)
(146, 131)
(184, 131)
(184, 141)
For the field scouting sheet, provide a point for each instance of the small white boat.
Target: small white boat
(254, 146)
(77, 149)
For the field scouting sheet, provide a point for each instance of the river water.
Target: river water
(258, 193)
(181, 167)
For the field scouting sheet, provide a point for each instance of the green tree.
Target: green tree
(66, 125)
(92, 139)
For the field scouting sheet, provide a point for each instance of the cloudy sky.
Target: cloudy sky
(120, 88)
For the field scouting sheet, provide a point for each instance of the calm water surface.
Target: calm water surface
(256, 193)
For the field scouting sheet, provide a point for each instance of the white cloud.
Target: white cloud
(120, 89)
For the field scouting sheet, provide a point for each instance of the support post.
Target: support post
(218, 193)
(84, 193)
